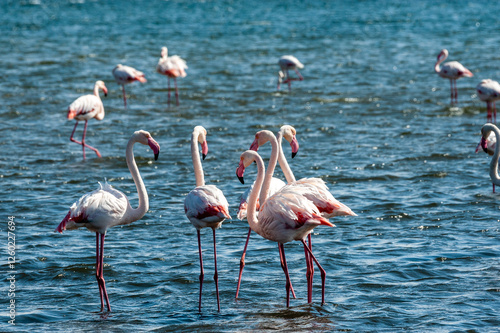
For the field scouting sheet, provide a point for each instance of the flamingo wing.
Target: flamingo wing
(127, 74)
(86, 107)
(206, 206)
(488, 90)
(289, 61)
(276, 185)
(96, 210)
(454, 70)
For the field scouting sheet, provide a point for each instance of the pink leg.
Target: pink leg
(495, 111)
(124, 96)
(451, 91)
(311, 266)
(83, 140)
(98, 269)
(176, 91)
(202, 274)
(283, 264)
(279, 82)
(216, 276)
(242, 261)
(289, 81)
(100, 275)
(169, 92)
(308, 276)
(323, 273)
(488, 109)
(298, 73)
(285, 270)
(493, 188)
(456, 91)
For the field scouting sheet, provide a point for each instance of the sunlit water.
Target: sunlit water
(373, 120)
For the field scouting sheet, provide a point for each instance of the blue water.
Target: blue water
(373, 120)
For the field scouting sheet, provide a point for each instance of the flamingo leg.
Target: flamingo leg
(124, 96)
(176, 91)
(242, 261)
(493, 188)
(456, 91)
(279, 82)
(202, 274)
(488, 109)
(310, 268)
(285, 270)
(216, 276)
(289, 81)
(298, 73)
(495, 111)
(283, 264)
(169, 92)
(83, 140)
(98, 269)
(323, 273)
(100, 275)
(451, 91)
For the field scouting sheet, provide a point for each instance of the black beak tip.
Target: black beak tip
(203, 156)
(156, 156)
(241, 180)
(294, 154)
(105, 95)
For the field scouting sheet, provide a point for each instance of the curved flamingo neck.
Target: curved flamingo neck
(437, 66)
(96, 91)
(495, 178)
(134, 214)
(195, 155)
(290, 178)
(252, 198)
(273, 160)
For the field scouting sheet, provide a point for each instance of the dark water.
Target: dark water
(373, 120)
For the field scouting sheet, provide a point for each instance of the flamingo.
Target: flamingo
(313, 189)
(486, 131)
(125, 75)
(205, 206)
(173, 67)
(84, 108)
(106, 207)
(284, 217)
(489, 91)
(286, 63)
(452, 70)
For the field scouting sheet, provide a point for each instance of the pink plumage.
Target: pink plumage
(173, 67)
(287, 63)
(489, 91)
(452, 70)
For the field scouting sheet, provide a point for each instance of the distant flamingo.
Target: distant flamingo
(314, 189)
(87, 107)
(284, 217)
(286, 63)
(489, 91)
(486, 131)
(205, 206)
(172, 67)
(106, 207)
(125, 75)
(452, 70)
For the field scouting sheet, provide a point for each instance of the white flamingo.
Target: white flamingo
(452, 70)
(489, 91)
(85, 108)
(125, 75)
(486, 131)
(205, 205)
(286, 63)
(173, 67)
(106, 207)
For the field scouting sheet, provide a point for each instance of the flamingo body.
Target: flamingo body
(286, 63)
(125, 75)
(452, 70)
(489, 91)
(173, 67)
(206, 206)
(276, 185)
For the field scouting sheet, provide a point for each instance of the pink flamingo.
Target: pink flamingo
(313, 189)
(106, 207)
(286, 63)
(489, 91)
(125, 75)
(84, 108)
(284, 217)
(452, 70)
(205, 205)
(486, 131)
(172, 67)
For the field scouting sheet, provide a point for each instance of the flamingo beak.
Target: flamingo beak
(155, 147)
(295, 146)
(240, 171)
(484, 144)
(71, 114)
(204, 149)
(255, 145)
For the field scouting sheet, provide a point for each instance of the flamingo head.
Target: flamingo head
(442, 55)
(164, 52)
(201, 133)
(143, 137)
(486, 131)
(246, 159)
(289, 133)
(261, 138)
(100, 84)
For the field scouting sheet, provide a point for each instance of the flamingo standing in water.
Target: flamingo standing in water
(205, 205)
(313, 189)
(453, 71)
(284, 217)
(106, 207)
(286, 63)
(486, 132)
(84, 108)
(125, 75)
(172, 67)
(489, 91)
